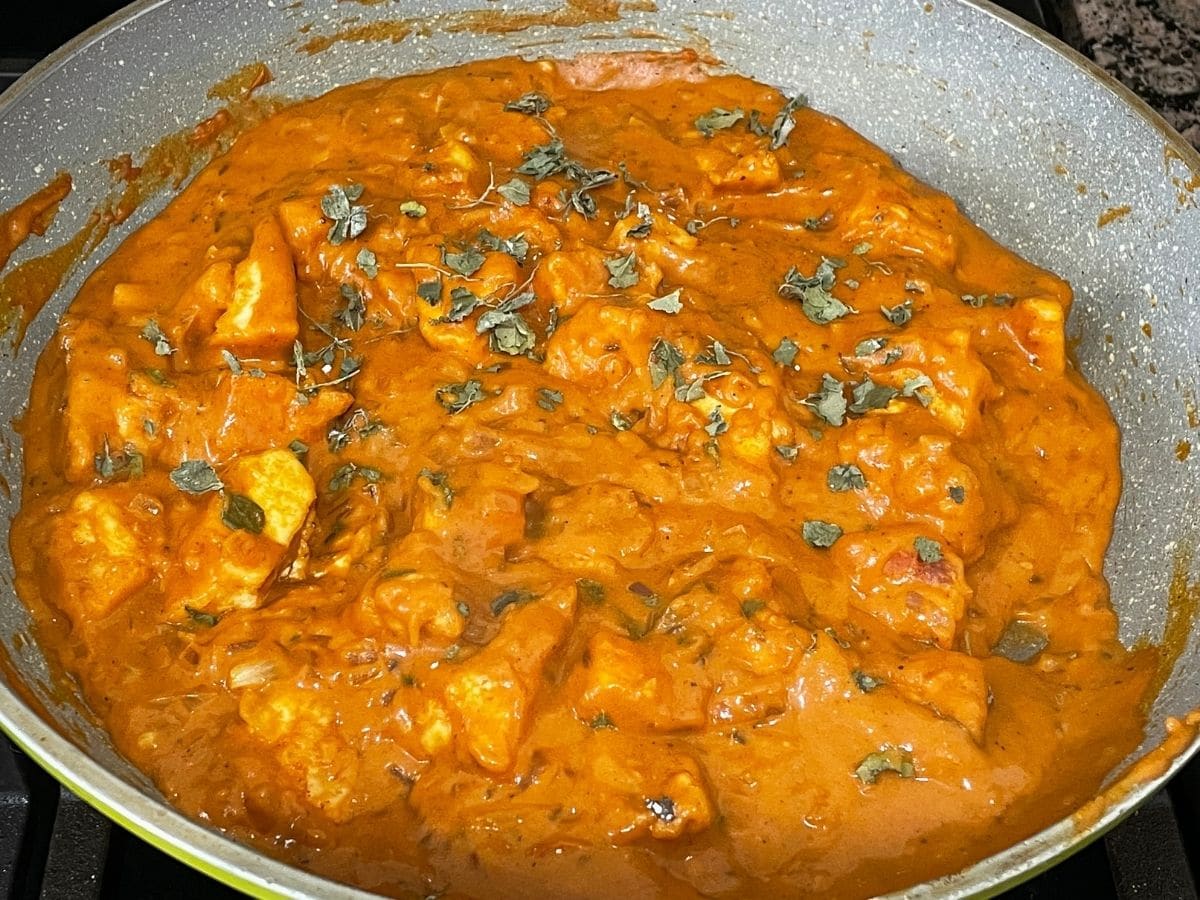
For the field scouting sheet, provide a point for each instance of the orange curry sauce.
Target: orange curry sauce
(643, 488)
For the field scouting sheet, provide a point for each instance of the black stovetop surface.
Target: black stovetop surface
(53, 845)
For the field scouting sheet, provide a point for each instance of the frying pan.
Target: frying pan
(1044, 151)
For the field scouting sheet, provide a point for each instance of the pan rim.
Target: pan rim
(258, 874)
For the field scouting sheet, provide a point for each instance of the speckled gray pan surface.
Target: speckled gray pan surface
(958, 93)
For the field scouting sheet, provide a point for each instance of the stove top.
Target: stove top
(54, 846)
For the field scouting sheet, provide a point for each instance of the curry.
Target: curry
(605, 476)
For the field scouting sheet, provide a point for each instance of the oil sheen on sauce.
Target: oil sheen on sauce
(598, 476)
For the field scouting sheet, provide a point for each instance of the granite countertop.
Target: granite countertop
(1153, 46)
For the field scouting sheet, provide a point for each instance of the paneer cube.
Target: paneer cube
(662, 795)
(923, 600)
(134, 300)
(261, 318)
(751, 171)
(238, 414)
(198, 308)
(300, 725)
(100, 550)
(305, 228)
(278, 483)
(1038, 332)
(886, 216)
(568, 277)
(416, 606)
(951, 684)
(595, 526)
(490, 692)
(218, 566)
(487, 515)
(491, 702)
(96, 398)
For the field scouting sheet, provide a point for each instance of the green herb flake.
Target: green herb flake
(870, 346)
(125, 463)
(641, 230)
(354, 313)
(458, 396)
(367, 262)
(195, 476)
(718, 119)
(866, 683)
(152, 333)
(466, 263)
(299, 448)
(1020, 642)
(845, 477)
(668, 303)
(549, 399)
(787, 452)
(344, 476)
(750, 607)
(545, 160)
(586, 180)
(602, 721)
(149, 427)
(506, 328)
(887, 759)
(348, 218)
(818, 223)
(441, 481)
(462, 304)
(862, 249)
(717, 425)
(240, 513)
(665, 360)
(975, 301)
(928, 550)
(785, 121)
(515, 192)
(813, 292)
(431, 291)
(918, 388)
(829, 403)
(785, 353)
(516, 246)
(620, 421)
(693, 390)
(200, 617)
(590, 592)
(622, 270)
(867, 395)
(900, 314)
(715, 355)
(413, 209)
(530, 104)
(957, 493)
(820, 535)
